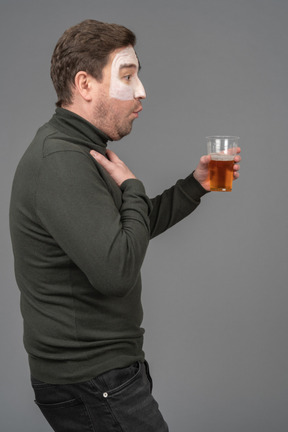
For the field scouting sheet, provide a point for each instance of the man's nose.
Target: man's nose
(139, 91)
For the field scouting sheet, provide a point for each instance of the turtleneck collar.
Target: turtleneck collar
(79, 130)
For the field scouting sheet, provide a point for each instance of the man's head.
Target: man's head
(94, 69)
(85, 47)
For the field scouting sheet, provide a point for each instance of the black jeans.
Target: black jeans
(117, 401)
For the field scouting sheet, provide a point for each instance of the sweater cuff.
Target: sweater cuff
(136, 188)
(193, 188)
(135, 184)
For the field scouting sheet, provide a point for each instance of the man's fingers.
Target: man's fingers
(236, 175)
(112, 156)
(114, 166)
(237, 159)
(100, 158)
(205, 159)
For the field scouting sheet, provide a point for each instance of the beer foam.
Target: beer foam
(222, 157)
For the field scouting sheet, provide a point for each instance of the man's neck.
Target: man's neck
(79, 110)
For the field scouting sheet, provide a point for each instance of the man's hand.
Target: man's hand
(201, 173)
(114, 166)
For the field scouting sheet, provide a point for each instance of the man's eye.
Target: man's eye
(127, 77)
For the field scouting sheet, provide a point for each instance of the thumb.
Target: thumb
(204, 161)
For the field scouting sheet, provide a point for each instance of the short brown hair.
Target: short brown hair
(85, 46)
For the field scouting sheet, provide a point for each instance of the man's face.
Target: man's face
(119, 95)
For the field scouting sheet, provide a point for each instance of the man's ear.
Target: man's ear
(83, 84)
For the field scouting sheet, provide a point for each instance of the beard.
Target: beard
(110, 118)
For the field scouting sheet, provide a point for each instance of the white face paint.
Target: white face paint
(125, 84)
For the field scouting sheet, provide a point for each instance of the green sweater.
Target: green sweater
(79, 241)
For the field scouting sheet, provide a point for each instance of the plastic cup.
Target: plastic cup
(223, 150)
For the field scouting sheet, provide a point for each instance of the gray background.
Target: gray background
(214, 286)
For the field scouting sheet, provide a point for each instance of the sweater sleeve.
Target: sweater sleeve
(175, 204)
(77, 209)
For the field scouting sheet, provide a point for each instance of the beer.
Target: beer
(221, 172)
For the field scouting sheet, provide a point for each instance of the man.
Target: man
(80, 226)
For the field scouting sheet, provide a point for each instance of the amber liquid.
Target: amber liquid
(221, 175)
